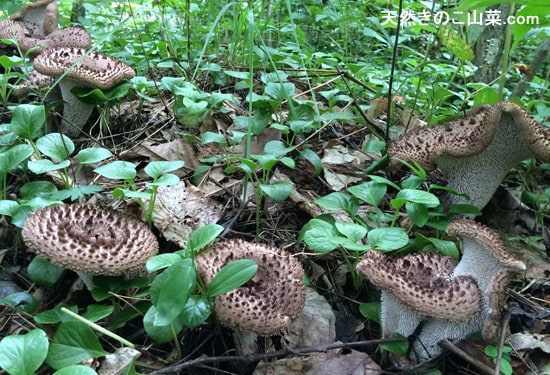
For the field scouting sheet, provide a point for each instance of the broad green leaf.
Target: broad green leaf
(117, 170)
(55, 315)
(338, 201)
(73, 342)
(195, 312)
(14, 156)
(22, 301)
(157, 168)
(370, 192)
(95, 313)
(8, 207)
(370, 310)
(414, 196)
(387, 239)
(231, 276)
(278, 191)
(313, 159)
(168, 179)
(211, 137)
(280, 91)
(76, 370)
(320, 236)
(42, 272)
(352, 231)
(55, 146)
(170, 291)
(161, 261)
(42, 166)
(93, 155)
(160, 334)
(120, 192)
(203, 236)
(39, 188)
(23, 354)
(418, 213)
(400, 348)
(27, 120)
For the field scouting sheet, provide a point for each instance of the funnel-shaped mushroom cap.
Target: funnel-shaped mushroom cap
(40, 17)
(267, 303)
(84, 238)
(422, 282)
(93, 70)
(475, 152)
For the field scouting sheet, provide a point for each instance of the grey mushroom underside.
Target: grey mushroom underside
(75, 112)
(480, 175)
(396, 317)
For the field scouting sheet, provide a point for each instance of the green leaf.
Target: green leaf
(338, 201)
(278, 191)
(195, 312)
(414, 196)
(27, 120)
(157, 168)
(42, 166)
(280, 91)
(73, 342)
(161, 261)
(97, 312)
(387, 239)
(168, 179)
(55, 146)
(22, 301)
(23, 354)
(400, 348)
(170, 291)
(211, 137)
(117, 170)
(14, 156)
(43, 273)
(160, 334)
(231, 276)
(320, 236)
(352, 231)
(55, 315)
(76, 370)
(370, 310)
(418, 213)
(93, 155)
(202, 236)
(313, 159)
(371, 192)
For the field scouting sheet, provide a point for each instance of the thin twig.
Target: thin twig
(446, 344)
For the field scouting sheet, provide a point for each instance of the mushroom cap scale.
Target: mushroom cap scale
(423, 283)
(91, 69)
(270, 300)
(85, 238)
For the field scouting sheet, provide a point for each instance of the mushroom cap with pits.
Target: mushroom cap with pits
(270, 300)
(80, 69)
(85, 238)
(475, 152)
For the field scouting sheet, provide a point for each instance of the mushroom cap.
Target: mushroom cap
(270, 300)
(85, 238)
(88, 70)
(486, 238)
(40, 17)
(423, 283)
(475, 152)
(34, 80)
(73, 36)
(11, 30)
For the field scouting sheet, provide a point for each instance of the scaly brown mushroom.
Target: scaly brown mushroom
(80, 69)
(267, 303)
(39, 18)
(87, 239)
(475, 152)
(453, 300)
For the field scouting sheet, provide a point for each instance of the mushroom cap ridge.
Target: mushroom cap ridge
(93, 70)
(85, 238)
(270, 300)
(423, 283)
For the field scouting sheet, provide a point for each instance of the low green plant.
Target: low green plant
(505, 360)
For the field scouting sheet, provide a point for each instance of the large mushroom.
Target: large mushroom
(77, 68)
(89, 240)
(267, 303)
(475, 152)
(453, 300)
(39, 18)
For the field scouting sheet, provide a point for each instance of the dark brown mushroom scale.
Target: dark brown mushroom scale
(85, 238)
(270, 300)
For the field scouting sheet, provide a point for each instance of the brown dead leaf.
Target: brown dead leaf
(178, 149)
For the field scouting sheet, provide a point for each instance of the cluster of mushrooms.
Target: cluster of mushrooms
(435, 296)
(62, 56)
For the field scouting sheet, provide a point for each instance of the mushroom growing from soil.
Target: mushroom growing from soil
(475, 152)
(39, 18)
(450, 299)
(80, 69)
(270, 300)
(89, 240)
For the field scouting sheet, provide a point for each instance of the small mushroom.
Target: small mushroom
(267, 303)
(475, 152)
(34, 80)
(80, 69)
(453, 300)
(39, 18)
(90, 240)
